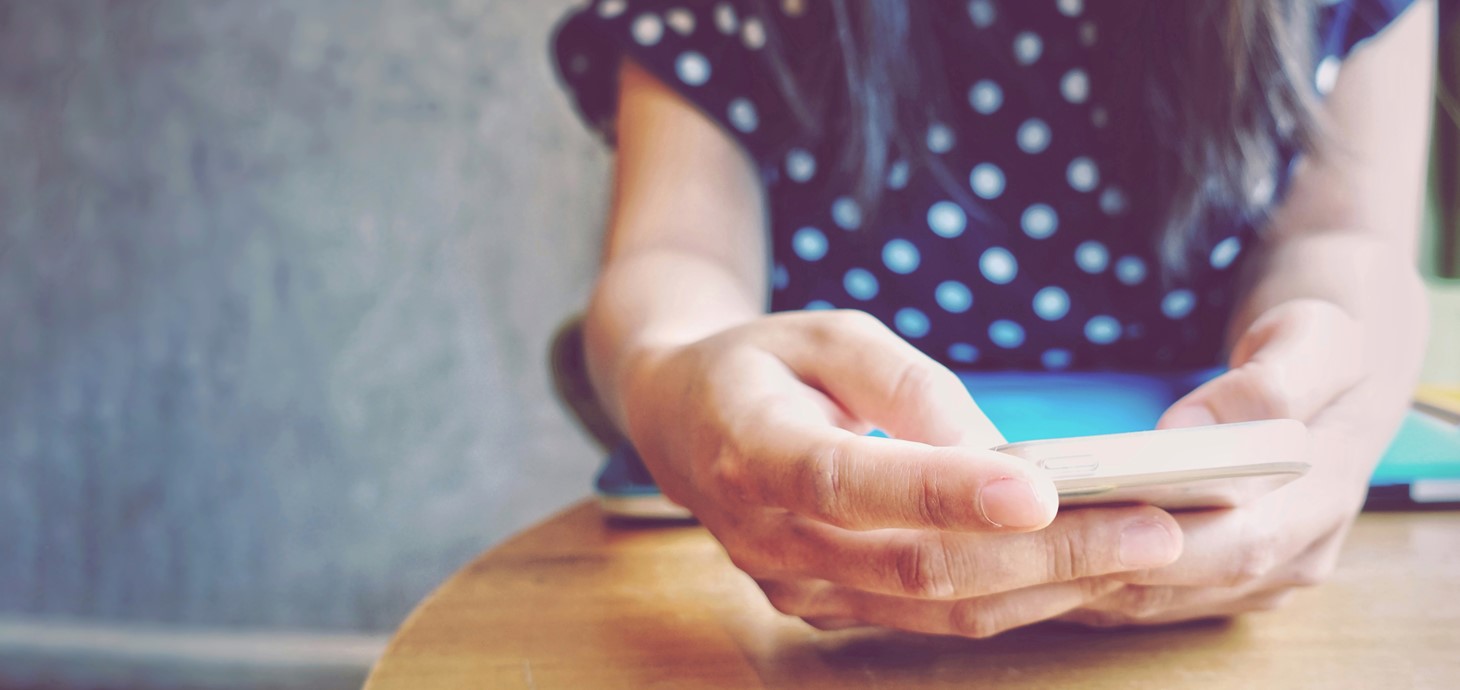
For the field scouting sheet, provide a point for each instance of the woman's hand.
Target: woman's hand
(1346, 234)
(1302, 359)
(759, 431)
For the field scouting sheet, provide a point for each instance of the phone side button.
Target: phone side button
(1086, 491)
(1070, 466)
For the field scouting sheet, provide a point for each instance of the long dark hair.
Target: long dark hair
(1219, 93)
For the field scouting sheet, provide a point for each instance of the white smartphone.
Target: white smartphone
(1218, 466)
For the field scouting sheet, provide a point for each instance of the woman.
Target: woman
(1041, 184)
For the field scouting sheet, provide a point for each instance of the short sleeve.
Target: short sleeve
(714, 54)
(1351, 22)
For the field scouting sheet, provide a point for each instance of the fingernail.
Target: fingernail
(1013, 502)
(1147, 544)
(1184, 417)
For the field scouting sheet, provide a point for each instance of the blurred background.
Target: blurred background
(277, 282)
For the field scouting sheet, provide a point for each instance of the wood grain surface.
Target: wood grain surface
(577, 602)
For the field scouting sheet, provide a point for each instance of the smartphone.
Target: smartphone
(1219, 466)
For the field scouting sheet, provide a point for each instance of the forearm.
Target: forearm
(685, 256)
(651, 299)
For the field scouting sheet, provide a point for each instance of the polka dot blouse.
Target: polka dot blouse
(1037, 268)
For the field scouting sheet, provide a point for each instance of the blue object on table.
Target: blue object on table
(1028, 406)
(624, 475)
(1421, 467)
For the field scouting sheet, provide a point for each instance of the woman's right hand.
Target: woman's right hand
(759, 430)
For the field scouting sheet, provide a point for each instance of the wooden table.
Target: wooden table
(577, 603)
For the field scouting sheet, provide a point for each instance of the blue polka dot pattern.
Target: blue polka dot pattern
(954, 296)
(800, 165)
(1039, 221)
(911, 322)
(940, 138)
(781, 278)
(809, 243)
(987, 180)
(1225, 252)
(947, 219)
(860, 284)
(1051, 303)
(648, 29)
(693, 68)
(846, 213)
(1130, 270)
(1055, 359)
(982, 13)
(743, 115)
(1102, 330)
(897, 175)
(963, 353)
(901, 256)
(1033, 136)
(985, 97)
(1178, 303)
(1010, 191)
(1006, 334)
(1091, 256)
(1083, 174)
(998, 265)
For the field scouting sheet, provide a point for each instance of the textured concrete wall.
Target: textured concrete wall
(276, 281)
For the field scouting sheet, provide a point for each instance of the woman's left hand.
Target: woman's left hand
(1302, 360)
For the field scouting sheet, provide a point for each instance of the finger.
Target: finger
(881, 378)
(1292, 363)
(1237, 548)
(863, 482)
(979, 617)
(929, 564)
(1137, 605)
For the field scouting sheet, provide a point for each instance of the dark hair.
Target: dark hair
(1219, 93)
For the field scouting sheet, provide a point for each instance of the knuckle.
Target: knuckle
(932, 509)
(826, 478)
(1067, 559)
(923, 568)
(975, 618)
(1255, 562)
(830, 328)
(915, 383)
(1145, 602)
(858, 320)
(730, 475)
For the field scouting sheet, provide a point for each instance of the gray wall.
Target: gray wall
(276, 282)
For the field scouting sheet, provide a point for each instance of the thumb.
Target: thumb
(1290, 364)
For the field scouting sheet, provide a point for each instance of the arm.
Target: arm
(1330, 331)
(1347, 235)
(685, 252)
